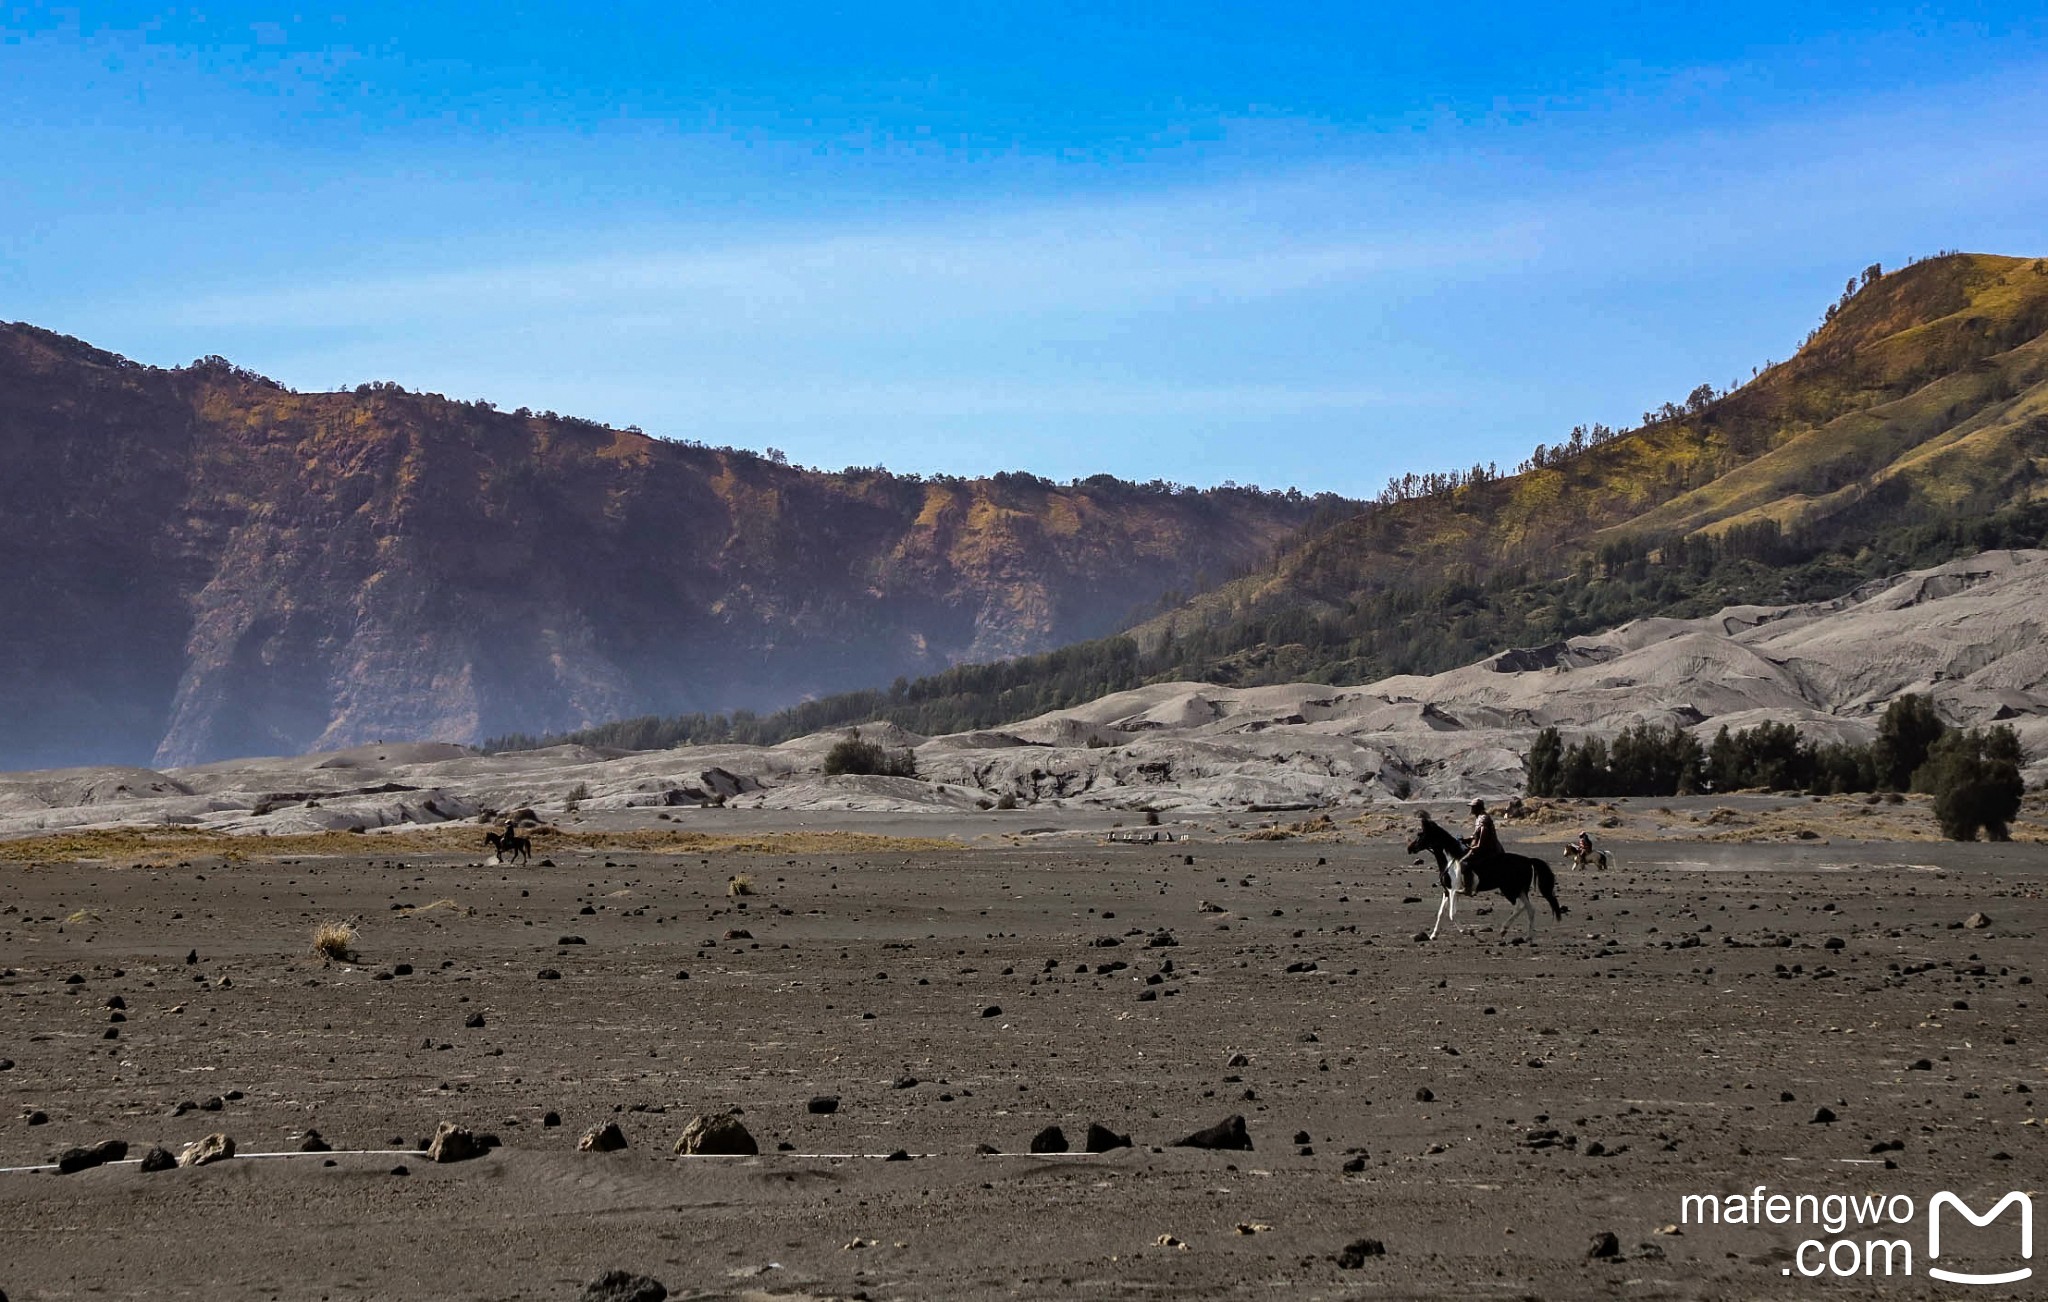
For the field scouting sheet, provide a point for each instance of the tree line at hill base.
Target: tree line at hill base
(1974, 775)
(1420, 628)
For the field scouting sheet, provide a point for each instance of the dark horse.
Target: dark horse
(1516, 876)
(509, 843)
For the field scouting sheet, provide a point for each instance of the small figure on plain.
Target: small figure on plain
(1583, 855)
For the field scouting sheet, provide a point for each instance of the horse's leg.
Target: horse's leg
(1439, 923)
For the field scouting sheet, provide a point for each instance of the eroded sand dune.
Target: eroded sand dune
(1969, 633)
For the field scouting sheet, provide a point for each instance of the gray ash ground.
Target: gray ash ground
(1483, 1110)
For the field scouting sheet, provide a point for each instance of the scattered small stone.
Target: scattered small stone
(904, 1083)
(1354, 1165)
(1425, 1095)
(549, 1120)
(1605, 1247)
(473, 1021)
(607, 1138)
(823, 1105)
(1238, 1060)
(716, 1133)
(570, 940)
(1228, 1133)
(993, 1010)
(549, 974)
(158, 1158)
(1977, 921)
(1101, 1139)
(453, 1143)
(1823, 1116)
(739, 933)
(624, 1286)
(38, 1117)
(1355, 1252)
(1169, 1241)
(216, 1147)
(311, 1142)
(401, 1169)
(73, 1160)
(900, 1155)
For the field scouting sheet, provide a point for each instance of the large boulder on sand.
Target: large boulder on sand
(453, 1143)
(717, 1134)
(205, 1152)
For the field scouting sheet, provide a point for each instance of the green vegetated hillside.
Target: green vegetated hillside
(1911, 427)
(203, 563)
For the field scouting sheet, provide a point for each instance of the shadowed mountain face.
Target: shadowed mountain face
(202, 564)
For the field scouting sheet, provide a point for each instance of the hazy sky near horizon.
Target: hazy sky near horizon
(1315, 244)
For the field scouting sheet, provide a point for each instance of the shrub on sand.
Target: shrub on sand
(740, 885)
(335, 941)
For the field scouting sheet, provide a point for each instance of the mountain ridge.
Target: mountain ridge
(211, 564)
(1909, 429)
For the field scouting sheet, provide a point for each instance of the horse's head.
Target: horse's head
(1417, 844)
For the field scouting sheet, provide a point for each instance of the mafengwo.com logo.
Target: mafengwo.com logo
(1872, 1235)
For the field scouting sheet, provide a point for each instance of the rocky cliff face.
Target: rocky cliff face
(199, 563)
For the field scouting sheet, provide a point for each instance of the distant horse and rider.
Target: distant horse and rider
(1481, 865)
(1583, 854)
(508, 843)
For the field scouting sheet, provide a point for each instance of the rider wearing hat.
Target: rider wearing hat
(1483, 845)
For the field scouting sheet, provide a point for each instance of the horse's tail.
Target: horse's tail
(1546, 882)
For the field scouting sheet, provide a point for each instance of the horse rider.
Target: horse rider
(1582, 849)
(1483, 846)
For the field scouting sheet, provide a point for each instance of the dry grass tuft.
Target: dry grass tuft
(741, 884)
(335, 941)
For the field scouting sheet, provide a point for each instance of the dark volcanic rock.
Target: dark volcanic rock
(624, 1286)
(1605, 1247)
(1355, 1252)
(823, 1105)
(83, 1159)
(1228, 1133)
(159, 1158)
(1049, 1140)
(607, 1138)
(1101, 1139)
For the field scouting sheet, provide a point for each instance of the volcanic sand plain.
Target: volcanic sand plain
(1480, 1107)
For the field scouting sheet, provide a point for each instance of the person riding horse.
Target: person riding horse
(1481, 849)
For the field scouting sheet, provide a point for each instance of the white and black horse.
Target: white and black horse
(1519, 877)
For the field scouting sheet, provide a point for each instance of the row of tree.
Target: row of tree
(1974, 776)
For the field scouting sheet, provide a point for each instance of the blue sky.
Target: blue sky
(1307, 244)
